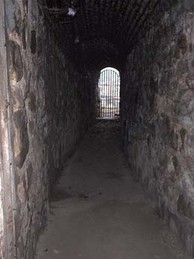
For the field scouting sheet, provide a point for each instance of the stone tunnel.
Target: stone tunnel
(51, 54)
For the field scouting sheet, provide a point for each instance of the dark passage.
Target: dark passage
(98, 211)
(52, 54)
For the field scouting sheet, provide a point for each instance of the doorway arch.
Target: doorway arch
(109, 93)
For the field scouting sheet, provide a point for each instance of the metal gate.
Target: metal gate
(109, 93)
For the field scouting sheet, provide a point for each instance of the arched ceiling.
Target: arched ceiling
(99, 32)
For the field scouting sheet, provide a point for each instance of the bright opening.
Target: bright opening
(109, 93)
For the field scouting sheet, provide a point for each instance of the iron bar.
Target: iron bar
(109, 92)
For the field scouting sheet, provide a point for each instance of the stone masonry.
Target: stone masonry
(49, 67)
(158, 116)
(51, 106)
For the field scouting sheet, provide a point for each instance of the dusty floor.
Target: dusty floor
(99, 212)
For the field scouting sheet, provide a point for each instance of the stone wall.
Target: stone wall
(158, 116)
(51, 107)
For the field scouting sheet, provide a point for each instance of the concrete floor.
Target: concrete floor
(99, 212)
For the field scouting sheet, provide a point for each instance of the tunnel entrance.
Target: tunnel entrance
(109, 93)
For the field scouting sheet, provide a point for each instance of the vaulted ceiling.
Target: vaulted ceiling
(100, 32)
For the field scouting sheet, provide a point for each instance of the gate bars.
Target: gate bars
(109, 93)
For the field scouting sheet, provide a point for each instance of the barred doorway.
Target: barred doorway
(109, 93)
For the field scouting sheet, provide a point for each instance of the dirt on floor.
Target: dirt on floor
(99, 212)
